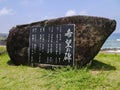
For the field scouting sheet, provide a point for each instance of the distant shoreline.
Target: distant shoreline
(111, 50)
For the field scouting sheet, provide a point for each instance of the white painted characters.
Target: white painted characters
(69, 33)
(68, 47)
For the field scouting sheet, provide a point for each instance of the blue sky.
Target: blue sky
(14, 12)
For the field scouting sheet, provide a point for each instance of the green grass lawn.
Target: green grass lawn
(102, 74)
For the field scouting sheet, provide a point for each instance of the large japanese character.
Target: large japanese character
(69, 33)
(68, 42)
(67, 57)
(68, 50)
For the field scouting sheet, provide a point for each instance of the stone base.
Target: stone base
(47, 66)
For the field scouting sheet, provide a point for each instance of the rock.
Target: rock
(90, 34)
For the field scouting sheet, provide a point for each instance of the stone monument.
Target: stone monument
(73, 41)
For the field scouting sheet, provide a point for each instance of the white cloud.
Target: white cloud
(70, 13)
(6, 11)
(73, 12)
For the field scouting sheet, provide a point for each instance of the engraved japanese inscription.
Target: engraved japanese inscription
(52, 45)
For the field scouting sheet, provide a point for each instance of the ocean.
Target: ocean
(113, 42)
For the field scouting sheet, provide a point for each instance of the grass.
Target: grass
(102, 74)
(2, 49)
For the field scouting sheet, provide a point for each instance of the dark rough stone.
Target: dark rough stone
(90, 34)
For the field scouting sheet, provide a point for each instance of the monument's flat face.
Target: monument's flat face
(52, 45)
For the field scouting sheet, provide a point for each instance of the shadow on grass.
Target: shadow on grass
(10, 62)
(97, 65)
